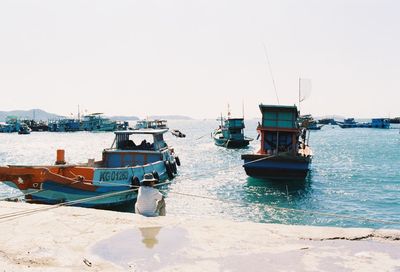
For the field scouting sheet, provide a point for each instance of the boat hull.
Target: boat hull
(276, 167)
(111, 187)
(231, 143)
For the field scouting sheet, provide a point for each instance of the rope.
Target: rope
(358, 218)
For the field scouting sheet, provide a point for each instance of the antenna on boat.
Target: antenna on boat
(229, 111)
(270, 71)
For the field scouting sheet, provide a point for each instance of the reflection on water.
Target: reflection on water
(146, 249)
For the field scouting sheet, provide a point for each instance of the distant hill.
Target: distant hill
(123, 118)
(170, 117)
(36, 114)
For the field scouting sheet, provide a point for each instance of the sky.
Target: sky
(194, 57)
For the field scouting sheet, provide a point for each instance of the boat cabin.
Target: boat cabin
(279, 129)
(126, 152)
(233, 128)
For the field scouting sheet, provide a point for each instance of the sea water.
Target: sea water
(355, 175)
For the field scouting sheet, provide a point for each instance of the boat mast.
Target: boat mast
(299, 95)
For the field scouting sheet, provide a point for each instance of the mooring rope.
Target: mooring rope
(83, 200)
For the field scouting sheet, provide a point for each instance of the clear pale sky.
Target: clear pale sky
(144, 57)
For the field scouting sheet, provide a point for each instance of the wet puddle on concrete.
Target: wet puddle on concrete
(143, 249)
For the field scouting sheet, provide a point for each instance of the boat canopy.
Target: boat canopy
(274, 116)
(123, 142)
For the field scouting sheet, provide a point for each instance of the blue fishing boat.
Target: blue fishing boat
(230, 133)
(12, 124)
(284, 152)
(108, 183)
(380, 123)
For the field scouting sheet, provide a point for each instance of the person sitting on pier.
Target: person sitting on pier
(150, 202)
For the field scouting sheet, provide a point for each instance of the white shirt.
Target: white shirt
(146, 202)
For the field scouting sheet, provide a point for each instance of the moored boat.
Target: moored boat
(230, 133)
(284, 152)
(107, 183)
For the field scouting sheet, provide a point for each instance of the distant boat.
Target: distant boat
(284, 152)
(327, 121)
(152, 124)
(230, 133)
(178, 133)
(95, 122)
(308, 122)
(108, 183)
(380, 123)
(348, 123)
(36, 125)
(65, 125)
(24, 129)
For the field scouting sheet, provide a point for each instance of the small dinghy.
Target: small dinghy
(177, 133)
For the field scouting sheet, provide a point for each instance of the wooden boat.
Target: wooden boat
(178, 133)
(230, 133)
(284, 151)
(101, 184)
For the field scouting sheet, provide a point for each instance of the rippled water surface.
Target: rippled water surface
(355, 173)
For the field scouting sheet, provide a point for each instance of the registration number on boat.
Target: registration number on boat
(113, 175)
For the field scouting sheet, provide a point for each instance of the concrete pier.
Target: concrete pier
(79, 239)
